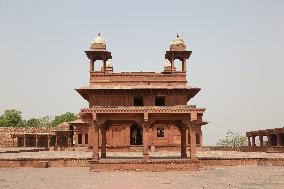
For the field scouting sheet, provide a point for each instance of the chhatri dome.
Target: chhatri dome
(177, 44)
(98, 43)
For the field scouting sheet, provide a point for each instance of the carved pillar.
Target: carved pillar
(56, 140)
(184, 65)
(104, 142)
(95, 127)
(36, 141)
(172, 64)
(192, 142)
(48, 140)
(92, 66)
(145, 140)
(171, 140)
(13, 138)
(68, 139)
(253, 141)
(249, 143)
(24, 140)
(104, 65)
(127, 134)
(278, 139)
(183, 132)
(269, 140)
(261, 140)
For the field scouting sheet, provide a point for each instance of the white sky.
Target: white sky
(237, 56)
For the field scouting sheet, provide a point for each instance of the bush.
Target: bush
(233, 139)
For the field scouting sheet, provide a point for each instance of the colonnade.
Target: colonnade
(185, 128)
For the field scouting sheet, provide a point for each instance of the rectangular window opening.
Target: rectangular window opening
(160, 132)
(138, 101)
(160, 101)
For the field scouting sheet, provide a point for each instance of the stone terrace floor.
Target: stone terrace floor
(245, 177)
(162, 154)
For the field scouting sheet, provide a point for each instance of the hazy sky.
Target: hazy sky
(237, 59)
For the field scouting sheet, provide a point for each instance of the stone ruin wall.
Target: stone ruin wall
(5, 133)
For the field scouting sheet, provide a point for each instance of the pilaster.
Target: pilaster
(192, 141)
(104, 142)
(95, 128)
(145, 137)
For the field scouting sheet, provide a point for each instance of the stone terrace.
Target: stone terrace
(162, 154)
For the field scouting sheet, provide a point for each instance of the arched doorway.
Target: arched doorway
(136, 135)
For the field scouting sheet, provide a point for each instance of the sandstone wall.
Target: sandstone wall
(5, 133)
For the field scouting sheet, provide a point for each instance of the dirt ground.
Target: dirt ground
(208, 177)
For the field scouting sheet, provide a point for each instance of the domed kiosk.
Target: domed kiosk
(177, 52)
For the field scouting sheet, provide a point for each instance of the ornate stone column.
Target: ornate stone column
(95, 127)
(184, 65)
(36, 141)
(172, 64)
(56, 141)
(104, 142)
(261, 140)
(184, 135)
(249, 142)
(192, 141)
(104, 65)
(145, 140)
(24, 140)
(269, 139)
(253, 141)
(48, 140)
(278, 139)
(68, 139)
(13, 138)
(91, 65)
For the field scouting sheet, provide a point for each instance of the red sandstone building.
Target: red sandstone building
(275, 138)
(144, 109)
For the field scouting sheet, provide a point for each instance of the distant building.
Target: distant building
(275, 137)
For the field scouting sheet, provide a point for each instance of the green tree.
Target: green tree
(67, 117)
(11, 118)
(233, 139)
(33, 122)
(46, 121)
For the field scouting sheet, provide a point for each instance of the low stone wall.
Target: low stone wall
(152, 148)
(5, 133)
(37, 163)
(220, 148)
(136, 165)
(275, 149)
(241, 162)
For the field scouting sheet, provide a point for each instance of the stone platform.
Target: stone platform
(140, 165)
(114, 160)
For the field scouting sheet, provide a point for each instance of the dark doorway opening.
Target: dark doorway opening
(197, 139)
(138, 101)
(160, 101)
(136, 137)
(282, 139)
(273, 140)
